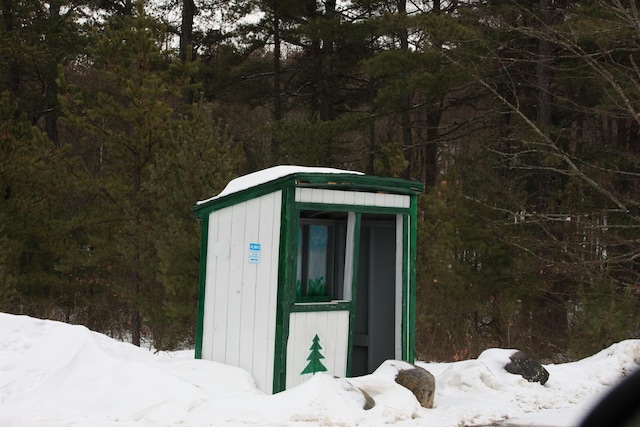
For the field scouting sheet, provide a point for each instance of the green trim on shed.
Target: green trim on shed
(320, 306)
(413, 244)
(202, 279)
(287, 262)
(407, 286)
(334, 181)
(242, 196)
(286, 275)
(354, 290)
(333, 207)
(361, 182)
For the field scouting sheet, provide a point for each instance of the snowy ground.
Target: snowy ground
(55, 374)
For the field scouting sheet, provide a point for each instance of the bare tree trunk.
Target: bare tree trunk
(135, 317)
(321, 51)
(405, 100)
(186, 41)
(8, 14)
(277, 102)
(544, 101)
(51, 87)
(430, 161)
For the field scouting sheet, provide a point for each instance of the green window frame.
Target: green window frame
(322, 240)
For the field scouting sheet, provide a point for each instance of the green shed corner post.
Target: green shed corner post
(286, 261)
(306, 269)
(412, 232)
(204, 233)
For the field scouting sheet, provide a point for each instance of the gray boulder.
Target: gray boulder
(529, 368)
(369, 402)
(421, 383)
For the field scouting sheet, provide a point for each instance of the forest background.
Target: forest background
(520, 117)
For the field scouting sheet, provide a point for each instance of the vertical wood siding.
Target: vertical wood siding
(319, 195)
(332, 327)
(240, 297)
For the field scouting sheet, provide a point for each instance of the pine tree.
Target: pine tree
(123, 123)
(315, 358)
(15, 139)
(135, 136)
(37, 238)
(204, 157)
(37, 36)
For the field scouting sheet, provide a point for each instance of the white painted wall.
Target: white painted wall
(332, 327)
(240, 296)
(358, 198)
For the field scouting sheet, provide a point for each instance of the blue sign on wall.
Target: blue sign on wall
(254, 253)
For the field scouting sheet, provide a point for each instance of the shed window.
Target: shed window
(321, 257)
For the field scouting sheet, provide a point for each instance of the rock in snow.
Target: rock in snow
(528, 367)
(421, 383)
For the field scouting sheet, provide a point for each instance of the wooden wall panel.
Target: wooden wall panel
(266, 291)
(332, 328)
(318, 195)
(208, 312)
(220, 274)
(240, 296)
(247, 286)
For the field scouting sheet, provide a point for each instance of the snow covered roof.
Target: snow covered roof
(271, 174)
(278, 177)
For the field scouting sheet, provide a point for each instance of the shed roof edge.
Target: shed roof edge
(337, 181)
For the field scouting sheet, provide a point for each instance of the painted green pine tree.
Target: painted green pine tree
(315, 363)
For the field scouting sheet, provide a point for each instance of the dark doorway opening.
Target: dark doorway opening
(374, 334)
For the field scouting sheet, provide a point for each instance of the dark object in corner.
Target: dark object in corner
(620, 407)
(530, 369)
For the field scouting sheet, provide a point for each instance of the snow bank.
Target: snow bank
(51, 371)
(55, 374)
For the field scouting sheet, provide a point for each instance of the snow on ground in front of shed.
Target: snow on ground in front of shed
(54, 374)
(271, 174)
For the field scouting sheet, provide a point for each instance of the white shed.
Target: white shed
(304, 270)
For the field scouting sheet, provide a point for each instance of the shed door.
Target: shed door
(319, 323)
(330, 320)
(376, 320)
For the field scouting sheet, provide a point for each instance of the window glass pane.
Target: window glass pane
(321, 257)
(317, 259)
